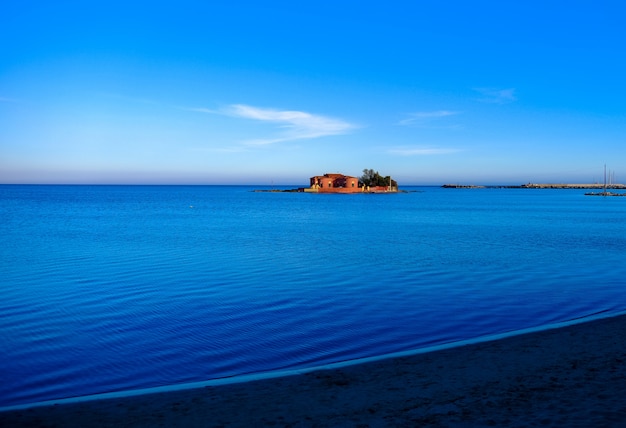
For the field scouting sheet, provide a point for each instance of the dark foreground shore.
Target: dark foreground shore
(573, 376)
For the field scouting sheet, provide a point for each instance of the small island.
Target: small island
(370, 182)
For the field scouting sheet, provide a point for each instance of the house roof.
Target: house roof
(333, 176)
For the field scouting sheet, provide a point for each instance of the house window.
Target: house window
(330, 184)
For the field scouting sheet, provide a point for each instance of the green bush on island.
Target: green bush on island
(373, 178)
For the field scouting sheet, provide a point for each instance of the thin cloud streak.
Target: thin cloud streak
(496, 96)
(298, 125)
(426, 117)
(200, 110)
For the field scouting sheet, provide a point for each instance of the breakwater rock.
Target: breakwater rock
(537, 186)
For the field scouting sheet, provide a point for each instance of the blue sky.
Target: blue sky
(244, 92)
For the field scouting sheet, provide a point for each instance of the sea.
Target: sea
(118, 288)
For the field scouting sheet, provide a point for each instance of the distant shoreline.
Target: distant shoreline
(535, 186)
(490, 186)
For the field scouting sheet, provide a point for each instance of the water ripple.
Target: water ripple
(113, 288)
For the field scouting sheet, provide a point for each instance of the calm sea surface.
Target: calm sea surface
(108, 288)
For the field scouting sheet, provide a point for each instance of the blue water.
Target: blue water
(109, 288)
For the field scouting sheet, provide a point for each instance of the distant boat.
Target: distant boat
(604, 192)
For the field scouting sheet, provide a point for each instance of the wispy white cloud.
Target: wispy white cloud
(421, 151)
(496, 96)
(297, 125)
(426, 118)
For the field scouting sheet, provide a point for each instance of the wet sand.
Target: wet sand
(573, 376)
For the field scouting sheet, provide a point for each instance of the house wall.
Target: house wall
(335, 183)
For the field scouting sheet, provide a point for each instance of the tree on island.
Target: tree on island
(373, 178)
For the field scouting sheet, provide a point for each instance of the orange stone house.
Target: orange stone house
(339, 183)
(335, 183)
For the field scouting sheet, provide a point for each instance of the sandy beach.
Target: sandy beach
(573, 376)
